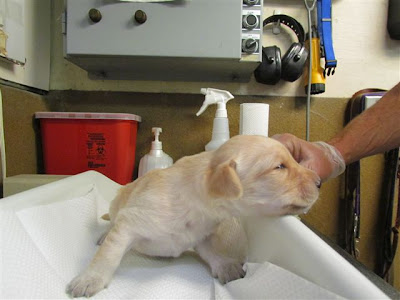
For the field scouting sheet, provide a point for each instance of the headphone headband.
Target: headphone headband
(289, 22)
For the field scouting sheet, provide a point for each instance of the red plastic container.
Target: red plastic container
(76, 142)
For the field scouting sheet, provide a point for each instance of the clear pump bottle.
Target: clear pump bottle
(156, 158)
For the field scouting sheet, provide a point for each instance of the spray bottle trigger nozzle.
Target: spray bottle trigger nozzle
(203, 107)
(203, 91)
(215, 96)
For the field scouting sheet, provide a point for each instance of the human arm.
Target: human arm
(374, 131)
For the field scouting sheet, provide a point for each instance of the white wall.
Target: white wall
(366, 56)
(36, 40)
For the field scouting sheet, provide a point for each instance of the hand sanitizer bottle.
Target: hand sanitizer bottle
(220, 133)
(156, 158)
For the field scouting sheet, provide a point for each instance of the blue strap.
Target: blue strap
(325, 23)
(319, 25)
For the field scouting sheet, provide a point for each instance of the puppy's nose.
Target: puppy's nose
(318, 184)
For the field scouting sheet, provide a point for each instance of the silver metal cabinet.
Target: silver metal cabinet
(193, 40)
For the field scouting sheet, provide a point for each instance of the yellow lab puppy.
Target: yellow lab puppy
(193, 204)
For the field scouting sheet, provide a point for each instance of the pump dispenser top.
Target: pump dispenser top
(156, 144)
(156, 158)
(220, 132)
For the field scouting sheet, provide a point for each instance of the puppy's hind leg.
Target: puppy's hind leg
(230, 239)
(222, 267)
(225, 250)
(106, 260)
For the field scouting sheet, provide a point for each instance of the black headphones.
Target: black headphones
(290, 67)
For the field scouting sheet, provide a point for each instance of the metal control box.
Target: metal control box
(185, 40)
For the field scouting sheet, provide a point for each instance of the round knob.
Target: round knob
(250, 2)
(250, 21)
(249, 45)
(140, 16)
(94, 15)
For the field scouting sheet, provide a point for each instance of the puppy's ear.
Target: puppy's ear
(224, 182)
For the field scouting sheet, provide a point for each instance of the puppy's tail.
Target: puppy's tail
(106, 217)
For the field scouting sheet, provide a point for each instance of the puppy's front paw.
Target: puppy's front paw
(228, 270)
(87, 284)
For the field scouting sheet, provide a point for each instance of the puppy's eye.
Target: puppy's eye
(281, 166)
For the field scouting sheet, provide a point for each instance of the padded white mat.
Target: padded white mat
(42, 248)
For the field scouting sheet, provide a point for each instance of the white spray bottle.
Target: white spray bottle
(220, 133)
(156, 158)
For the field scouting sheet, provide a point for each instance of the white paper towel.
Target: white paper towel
(42, 248)
(254, 118)
(268, 281)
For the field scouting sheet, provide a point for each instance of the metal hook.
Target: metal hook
(276, 26)
(310, 8)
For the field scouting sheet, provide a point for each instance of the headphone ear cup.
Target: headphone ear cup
(269, 71)
(293, 62)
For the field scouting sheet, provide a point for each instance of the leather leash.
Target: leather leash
(388, 241)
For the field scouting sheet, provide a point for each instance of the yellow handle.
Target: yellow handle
(317, 72)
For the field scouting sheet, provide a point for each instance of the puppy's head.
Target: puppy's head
(256, 175)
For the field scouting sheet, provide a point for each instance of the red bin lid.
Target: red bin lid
(87, 115)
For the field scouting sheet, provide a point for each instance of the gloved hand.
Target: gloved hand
(322, 158)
